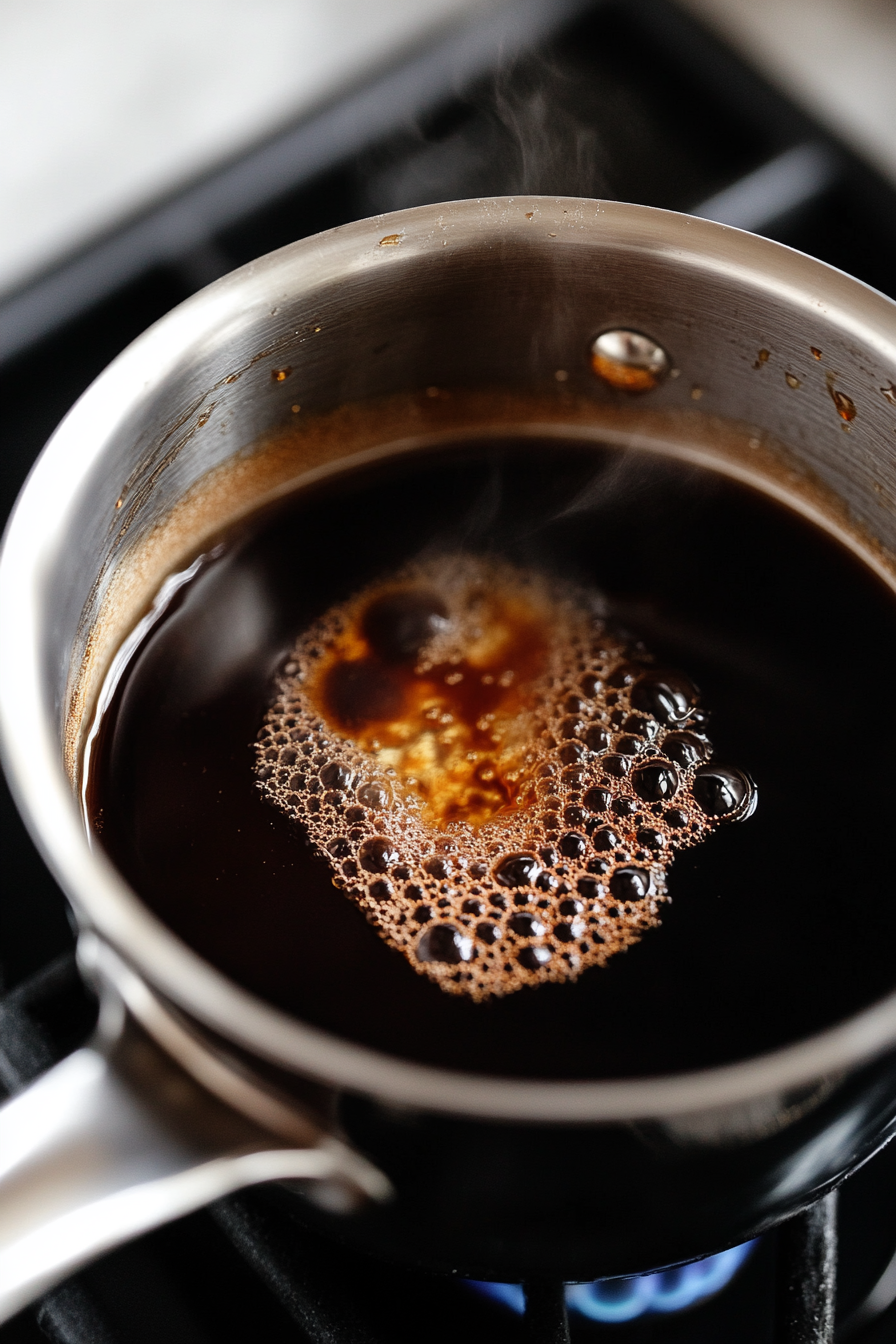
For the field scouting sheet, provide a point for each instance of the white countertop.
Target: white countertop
(106, 105)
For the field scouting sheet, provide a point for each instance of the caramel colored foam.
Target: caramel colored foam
(498, 779)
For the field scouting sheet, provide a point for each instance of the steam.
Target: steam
(518, 135)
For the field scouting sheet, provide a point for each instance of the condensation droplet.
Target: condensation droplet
(628, 360)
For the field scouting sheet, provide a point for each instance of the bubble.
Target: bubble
(335, 775)
(533, 958)
(567, 933)
(597, 739)
(685, 748)
(525, 926)
(605, 839)
(650, 838)
(722, 792)
(518, 870)
(444, 943)
(666, 696)
(570, 906)
(630, 884)
(378, 854)
(655, 781)
(618, 766)
(597, 800)
(572, 845)
(488, 933)
(445, 741)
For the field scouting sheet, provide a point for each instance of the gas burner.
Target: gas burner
(613, 1301)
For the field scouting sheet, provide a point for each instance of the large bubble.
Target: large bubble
(497, 777)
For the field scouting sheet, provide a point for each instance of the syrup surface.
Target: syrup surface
(776, 928)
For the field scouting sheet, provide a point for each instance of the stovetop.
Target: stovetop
(627, 100)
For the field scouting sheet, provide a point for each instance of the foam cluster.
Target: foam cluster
(494, 775)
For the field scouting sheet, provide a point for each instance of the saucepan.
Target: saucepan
(192, 1087)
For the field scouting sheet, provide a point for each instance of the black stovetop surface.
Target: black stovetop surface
(626, 100)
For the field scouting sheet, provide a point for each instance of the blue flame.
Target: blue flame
(617, 1300)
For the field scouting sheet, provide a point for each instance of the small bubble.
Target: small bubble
(685, 749)
(336, 776)
(721, 792)
(532, 958)
(518, 870)
(281, 375)
(444, 943)
(378, 854)
(572, 845)
(373, 796)
(597, 739)
(650, 838)
(597, 800)
(617, 766)
(488, 933)
(390, 240)
(666, 696)
(791, 380)
(604, 839)
(655, 781)
(630, 884)
(525, 926)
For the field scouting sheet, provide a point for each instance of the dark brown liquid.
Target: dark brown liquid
(776, 928)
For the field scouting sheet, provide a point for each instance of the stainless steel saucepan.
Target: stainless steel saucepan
(469, 318)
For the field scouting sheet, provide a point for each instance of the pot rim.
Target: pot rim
(31, 752)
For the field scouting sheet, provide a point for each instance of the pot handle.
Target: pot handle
(119, 1138)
